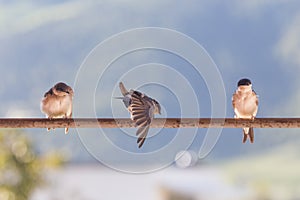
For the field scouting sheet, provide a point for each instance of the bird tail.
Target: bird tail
(124, 91)
(251, 134)
(126, 100)
(248, 132)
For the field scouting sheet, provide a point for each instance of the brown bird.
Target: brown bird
(142, 109)
(245, 105)
(57, 102)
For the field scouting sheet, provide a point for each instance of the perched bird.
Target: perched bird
(142, 109)
(57, 102)
(245, 105)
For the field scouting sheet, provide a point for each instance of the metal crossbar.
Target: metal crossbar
(156, 123)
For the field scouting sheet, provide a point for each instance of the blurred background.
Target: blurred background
(43, 43)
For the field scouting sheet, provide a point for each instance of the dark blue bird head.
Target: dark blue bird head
(244, 82)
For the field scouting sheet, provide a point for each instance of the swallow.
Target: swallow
(142, 109)
(245, 105)
(57, 102)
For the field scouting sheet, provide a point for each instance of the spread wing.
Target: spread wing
(141, 111)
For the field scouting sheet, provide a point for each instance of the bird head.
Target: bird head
(62, 89)
(244, 84)
(157, 107)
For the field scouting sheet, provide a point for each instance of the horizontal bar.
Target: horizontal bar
(157, 123)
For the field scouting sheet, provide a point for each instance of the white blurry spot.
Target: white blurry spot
(18, 113)
(19, 148)
(10, 177)
(186, 159)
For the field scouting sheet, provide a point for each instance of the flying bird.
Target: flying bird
(142, 109)
(57, 102)
(245, 105)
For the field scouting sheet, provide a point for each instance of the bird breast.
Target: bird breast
(57, 106)
(245, 105)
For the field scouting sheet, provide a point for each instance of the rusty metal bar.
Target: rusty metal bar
(157, 123)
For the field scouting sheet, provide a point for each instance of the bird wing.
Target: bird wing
(254, 93)
(256, 103)
(234, 104)
(234, 96)
(50, 92)
(141, 111)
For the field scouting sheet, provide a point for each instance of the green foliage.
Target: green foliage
(20, 167)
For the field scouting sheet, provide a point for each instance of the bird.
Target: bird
(245, 105)
(141, 108)
(57, 102)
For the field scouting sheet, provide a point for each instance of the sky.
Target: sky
(43, 43)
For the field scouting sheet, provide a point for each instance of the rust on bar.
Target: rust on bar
(157, 123)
